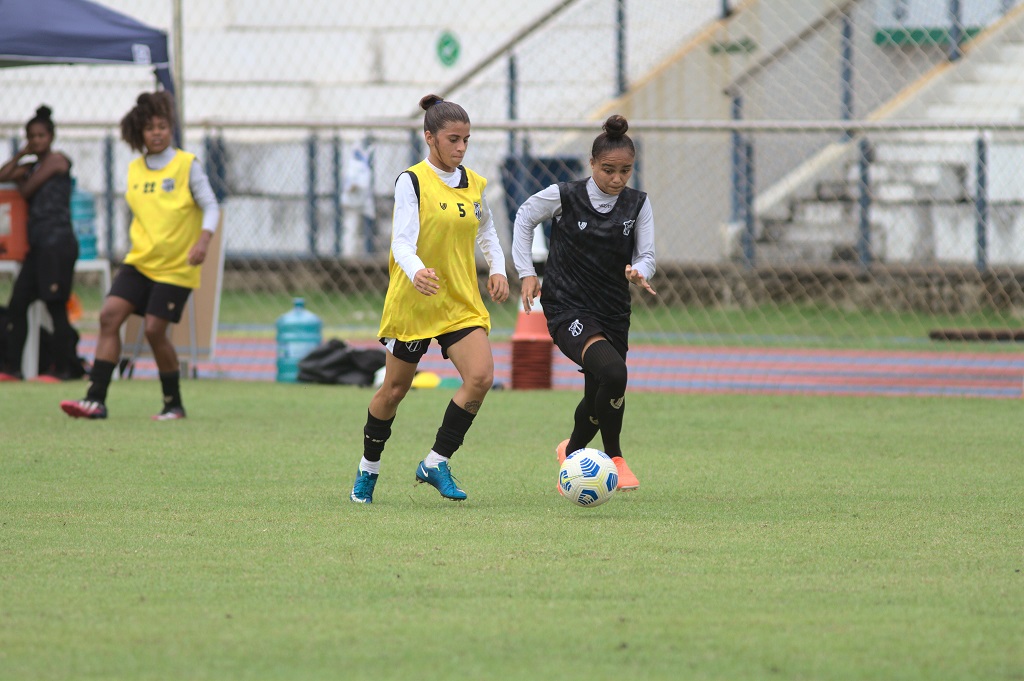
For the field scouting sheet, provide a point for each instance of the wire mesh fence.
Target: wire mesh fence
(823, 172)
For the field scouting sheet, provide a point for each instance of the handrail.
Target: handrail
(786, 47)
(500, 51)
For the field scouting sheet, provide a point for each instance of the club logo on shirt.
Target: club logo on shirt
(582, 224)
(478, 210)
(576, 328)
(168, 184)
(444, 206)
(627, 227)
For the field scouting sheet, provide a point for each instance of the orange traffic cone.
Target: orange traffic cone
(531, 351)
(74, 307)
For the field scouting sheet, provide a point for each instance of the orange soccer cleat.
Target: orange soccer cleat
(560, 452)
(627, 480)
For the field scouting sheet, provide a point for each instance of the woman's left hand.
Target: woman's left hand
(197, 254)
(635, 277)
(497, 286)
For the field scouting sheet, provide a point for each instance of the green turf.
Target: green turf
(773, 537)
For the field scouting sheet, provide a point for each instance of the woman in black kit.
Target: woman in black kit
(48, 269)
(602, 240)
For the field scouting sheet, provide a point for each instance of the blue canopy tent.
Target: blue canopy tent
(38, 32)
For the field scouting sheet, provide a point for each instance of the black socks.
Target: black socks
(453, 430)
(99, 380)
(609, 370)
(375, 435)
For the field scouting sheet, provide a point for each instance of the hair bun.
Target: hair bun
(430, 100)
(44, 112)
(616, 126)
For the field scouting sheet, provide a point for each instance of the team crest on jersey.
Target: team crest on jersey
(478, 210)
(168, 184)
(576, 328)
(582, 224)
(627, 227)
(444, 206)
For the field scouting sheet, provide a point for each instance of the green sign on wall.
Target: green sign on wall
(448, 48)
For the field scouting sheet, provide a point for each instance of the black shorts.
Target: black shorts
(149, 297)
(48, 272)
(413, 351)
(572, 335)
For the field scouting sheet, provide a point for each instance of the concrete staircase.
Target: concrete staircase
(923, 184)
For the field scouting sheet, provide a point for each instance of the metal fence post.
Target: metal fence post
(108, 191)
(415, 147)
(955, 30)
(513, 87)
(864, 255)
(738, 152)
(311, 213)
(981, 203)
(620, 48)
(336, 175)
(370, 224)
(726, 10)
(216, 165)
(749, 216)
(846, 69)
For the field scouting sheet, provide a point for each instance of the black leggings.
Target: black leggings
(26, 292)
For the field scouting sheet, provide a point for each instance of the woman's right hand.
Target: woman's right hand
(427, 282)
(530, 290)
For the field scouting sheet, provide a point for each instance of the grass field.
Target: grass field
(772, 537)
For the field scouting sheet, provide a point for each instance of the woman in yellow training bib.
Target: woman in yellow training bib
(440, 213)
(175, 214)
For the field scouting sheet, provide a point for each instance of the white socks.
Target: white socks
(433, 459)
(374, 466)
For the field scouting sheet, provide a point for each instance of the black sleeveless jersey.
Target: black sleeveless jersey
(49, 212)
(585, 274)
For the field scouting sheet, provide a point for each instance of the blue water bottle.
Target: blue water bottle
(299, 332)
(83, 221)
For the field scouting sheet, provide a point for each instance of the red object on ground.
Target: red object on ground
(531, 352)
(13, 224)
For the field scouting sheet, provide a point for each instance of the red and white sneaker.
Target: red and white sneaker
(627, 480)
(84, 409)
(170, 414)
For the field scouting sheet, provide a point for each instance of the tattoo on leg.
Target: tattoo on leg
(473, 406)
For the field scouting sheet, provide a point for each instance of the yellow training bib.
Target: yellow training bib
(166, 221)
(449, 224)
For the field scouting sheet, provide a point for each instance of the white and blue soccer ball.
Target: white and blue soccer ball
(588, 477)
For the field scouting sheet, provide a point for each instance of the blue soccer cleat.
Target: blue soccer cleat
(362, 490)
(441, 479)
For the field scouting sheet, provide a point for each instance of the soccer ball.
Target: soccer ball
(588, 477)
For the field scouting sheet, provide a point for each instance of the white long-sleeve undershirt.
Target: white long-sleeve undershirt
(406, 226)
(547, 203)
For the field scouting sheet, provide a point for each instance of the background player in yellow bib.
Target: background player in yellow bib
(440, 214)
(175, 214)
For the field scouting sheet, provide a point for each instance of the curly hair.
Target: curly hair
(149, 105)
